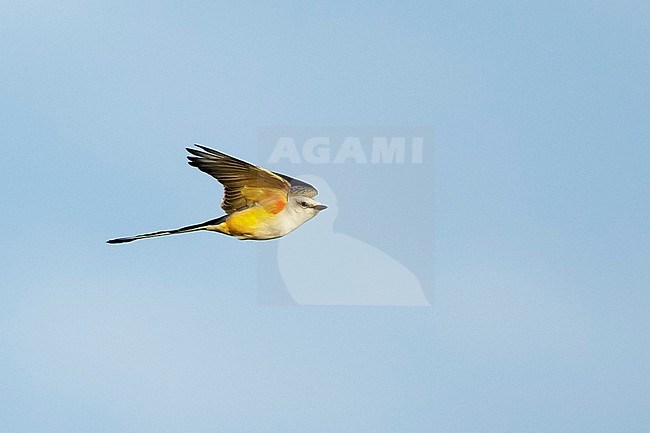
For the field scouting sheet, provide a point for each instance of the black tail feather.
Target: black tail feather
(187, 229)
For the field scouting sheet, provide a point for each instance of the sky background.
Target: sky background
(539, 320)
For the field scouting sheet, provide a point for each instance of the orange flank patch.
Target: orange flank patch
(271, 199)
(247, 221)
(276, 206)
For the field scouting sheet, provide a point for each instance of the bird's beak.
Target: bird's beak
(320, 207)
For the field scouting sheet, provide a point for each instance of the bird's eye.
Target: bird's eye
(303, 203)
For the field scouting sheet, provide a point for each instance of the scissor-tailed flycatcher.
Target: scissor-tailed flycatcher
(259, 203)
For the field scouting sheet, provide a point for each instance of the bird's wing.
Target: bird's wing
(245, 185)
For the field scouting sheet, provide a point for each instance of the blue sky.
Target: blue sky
(539, 319)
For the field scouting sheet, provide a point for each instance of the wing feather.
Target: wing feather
(245, 185)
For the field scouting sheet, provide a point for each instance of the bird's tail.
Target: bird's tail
(208, 225)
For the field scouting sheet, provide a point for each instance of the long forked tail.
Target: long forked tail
(208, 225)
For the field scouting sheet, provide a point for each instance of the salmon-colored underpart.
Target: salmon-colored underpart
(273, 200)
(277, 206)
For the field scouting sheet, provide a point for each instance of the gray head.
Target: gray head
(302, 206)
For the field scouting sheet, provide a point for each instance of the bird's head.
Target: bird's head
(304, 207)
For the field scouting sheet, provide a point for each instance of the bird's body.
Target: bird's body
(258, 223)
(259, 204)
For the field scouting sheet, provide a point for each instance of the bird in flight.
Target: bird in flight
(259, 203)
